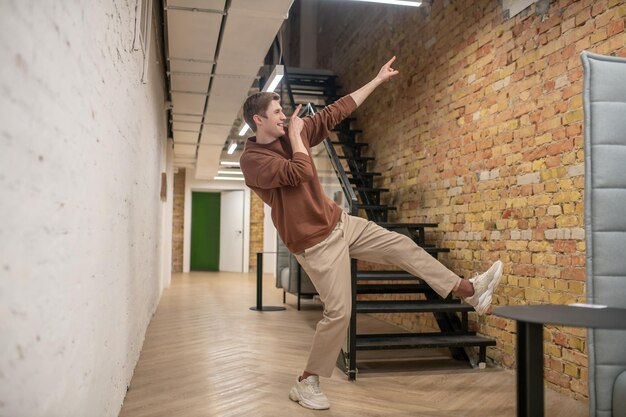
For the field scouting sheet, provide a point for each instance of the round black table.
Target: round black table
(530, 321)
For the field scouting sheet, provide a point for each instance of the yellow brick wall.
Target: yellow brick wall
(256, 228)
(482, 133)
(178, 215)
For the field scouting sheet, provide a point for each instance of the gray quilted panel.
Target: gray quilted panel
(619, 396)
(607, 82)
(604, 103)
(610, 123)
(610, 347)
(609, 258)
(282, 261)
(606, 217)
(609, 166)
(608, 288)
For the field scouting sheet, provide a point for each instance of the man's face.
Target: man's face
(272, 123)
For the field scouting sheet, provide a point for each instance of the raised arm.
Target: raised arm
(317, 128)
(385, 73)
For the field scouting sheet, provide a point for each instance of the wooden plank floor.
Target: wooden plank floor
(207, 354)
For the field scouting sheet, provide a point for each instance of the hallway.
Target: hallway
(207, 354)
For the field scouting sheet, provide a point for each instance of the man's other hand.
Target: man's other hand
(295, 123)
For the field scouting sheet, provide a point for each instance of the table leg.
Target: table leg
(530, 401)
(259, 288)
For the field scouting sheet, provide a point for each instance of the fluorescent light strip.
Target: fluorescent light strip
(226, 171)
(395, 2)
(274, 83)
(244, 129)
(228, 178)
(274, 79)
(229, 164)
(231, 148)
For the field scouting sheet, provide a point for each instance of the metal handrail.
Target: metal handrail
(336, 163)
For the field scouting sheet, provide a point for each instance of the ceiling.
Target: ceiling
(214, 50)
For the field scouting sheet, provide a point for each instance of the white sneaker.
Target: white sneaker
(308, 393)
(484, 286)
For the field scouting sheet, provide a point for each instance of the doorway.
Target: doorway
(205, 231)
(217, 240)
(231, 231)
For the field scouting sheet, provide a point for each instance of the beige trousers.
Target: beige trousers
(328, 265)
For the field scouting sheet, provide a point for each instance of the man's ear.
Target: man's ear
(257, 120)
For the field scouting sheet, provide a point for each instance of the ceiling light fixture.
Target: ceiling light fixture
(244, 129)
(229, 163)
(272, 82)
(232, 147)
(229, 172)
(228, 178)
(275, 77)
(395, 2)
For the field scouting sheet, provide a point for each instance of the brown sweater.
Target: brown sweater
(288, 182)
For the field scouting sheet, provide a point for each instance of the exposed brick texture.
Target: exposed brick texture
(482, 133)
(256, 228)
(178, 220)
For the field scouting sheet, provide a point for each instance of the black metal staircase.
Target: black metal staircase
(359, 185)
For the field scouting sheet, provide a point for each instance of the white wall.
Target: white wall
(81, 152)
(167, 214)
(191, 185)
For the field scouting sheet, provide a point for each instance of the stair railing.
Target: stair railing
(336, 164)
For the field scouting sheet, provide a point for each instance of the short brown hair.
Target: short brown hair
(257, 103)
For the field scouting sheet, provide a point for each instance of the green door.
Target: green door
(205, 231)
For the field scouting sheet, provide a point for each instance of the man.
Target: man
(277, 166)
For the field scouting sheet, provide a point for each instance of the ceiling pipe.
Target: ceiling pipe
(395, 2)
(195, 10)
(218, 47)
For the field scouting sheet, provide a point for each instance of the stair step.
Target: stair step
(306, 79)
(388, 225)
(337, 129)
(417, 288)
(411, 306)
(308, 88)
(322, 84)
(313, 93)
(381, 275)
(311, 71)
(350, 144)
(420, 341)
(358, 158)
(376, 207)
(371, 190)
(363, 174)
(434, 251)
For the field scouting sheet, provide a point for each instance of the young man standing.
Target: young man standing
(277, 166)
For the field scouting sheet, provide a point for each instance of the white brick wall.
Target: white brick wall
(81, 222)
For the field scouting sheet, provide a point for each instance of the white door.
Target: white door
(231, 231)
(269, 242)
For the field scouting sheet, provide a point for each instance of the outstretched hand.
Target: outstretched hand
(386, 72)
